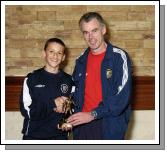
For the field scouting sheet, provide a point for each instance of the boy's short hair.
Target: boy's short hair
(57, 40)
(91, 15)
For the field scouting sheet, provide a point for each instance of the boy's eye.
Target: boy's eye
(50, 51)
(60, 53)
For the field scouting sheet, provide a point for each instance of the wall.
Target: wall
(28, 27)
(141, 125)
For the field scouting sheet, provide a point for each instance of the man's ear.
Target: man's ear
(104, 30)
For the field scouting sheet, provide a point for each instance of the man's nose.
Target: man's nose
(90, 35)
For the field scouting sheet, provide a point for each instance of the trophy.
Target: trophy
(68, 111)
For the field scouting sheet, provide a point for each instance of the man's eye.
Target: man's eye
(85, 32)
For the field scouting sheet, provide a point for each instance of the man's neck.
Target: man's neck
(100, 50)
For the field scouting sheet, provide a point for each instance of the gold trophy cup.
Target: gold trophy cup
(68, 111)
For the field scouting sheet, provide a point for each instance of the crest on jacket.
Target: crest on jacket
(108, 73)
(64, 88)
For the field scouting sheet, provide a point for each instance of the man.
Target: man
(102, 77)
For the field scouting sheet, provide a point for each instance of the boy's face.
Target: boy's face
(54, 55)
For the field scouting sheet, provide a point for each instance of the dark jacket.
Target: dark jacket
(40, 88)
(114, 109)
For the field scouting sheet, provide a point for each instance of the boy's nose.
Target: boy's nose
(55, 55)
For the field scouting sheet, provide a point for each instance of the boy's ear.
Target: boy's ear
(43, 54)
(64, 56)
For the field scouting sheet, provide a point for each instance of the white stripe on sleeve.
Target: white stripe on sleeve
(26, 97)
(124, 67)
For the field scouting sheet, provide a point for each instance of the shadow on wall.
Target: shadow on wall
(128, 135)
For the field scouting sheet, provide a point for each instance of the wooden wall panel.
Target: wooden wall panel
(143, 96)
(13, 86)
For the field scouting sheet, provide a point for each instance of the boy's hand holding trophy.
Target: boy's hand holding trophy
(67, 109)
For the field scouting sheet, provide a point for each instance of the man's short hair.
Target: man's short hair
(91, 15)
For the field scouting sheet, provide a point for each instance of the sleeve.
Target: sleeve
(74, 92)
(30, 107)
(117, 103)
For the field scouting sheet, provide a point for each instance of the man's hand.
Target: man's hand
(80, 118)
(59, 102)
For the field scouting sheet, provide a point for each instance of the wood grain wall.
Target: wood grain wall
(143, 97)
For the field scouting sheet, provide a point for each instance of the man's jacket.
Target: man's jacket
(114, 109)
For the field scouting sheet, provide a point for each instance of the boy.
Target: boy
(44, 92)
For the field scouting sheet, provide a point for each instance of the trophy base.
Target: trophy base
(65, 126)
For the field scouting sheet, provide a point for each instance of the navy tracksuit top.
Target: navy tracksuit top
(40, 88)
(115, 107)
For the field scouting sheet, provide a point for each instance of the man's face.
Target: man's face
(93, 33)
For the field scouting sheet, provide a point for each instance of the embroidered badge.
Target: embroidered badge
(64, 88)
(108, 73)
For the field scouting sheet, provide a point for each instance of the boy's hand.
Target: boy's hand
(59, 102)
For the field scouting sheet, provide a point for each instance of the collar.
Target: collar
(109, 51)
(107, 56)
